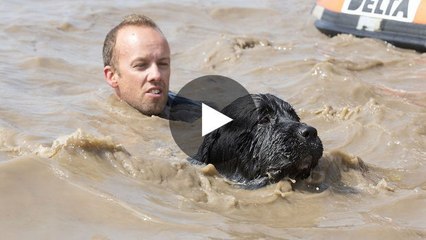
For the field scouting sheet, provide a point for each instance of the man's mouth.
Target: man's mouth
(155, 91)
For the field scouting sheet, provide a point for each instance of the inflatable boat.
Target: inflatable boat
(399, 22)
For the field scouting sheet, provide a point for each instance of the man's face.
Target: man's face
(143, 69)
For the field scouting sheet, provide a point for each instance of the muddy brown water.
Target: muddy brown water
(77, 164)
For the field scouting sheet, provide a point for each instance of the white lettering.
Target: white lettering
(399, 10)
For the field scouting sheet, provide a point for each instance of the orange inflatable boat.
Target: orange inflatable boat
(399, 22)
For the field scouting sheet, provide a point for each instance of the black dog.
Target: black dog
(265, 143)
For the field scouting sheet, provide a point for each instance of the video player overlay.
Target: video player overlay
(196, 110)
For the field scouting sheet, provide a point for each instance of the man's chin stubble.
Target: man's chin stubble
(150, 110)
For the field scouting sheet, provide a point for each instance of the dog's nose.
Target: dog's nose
(308, 132)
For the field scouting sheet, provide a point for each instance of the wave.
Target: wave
(78, 139)
(7, 145)
(99, 158)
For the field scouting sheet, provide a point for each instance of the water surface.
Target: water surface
(75, 163)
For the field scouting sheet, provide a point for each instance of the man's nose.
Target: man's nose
(154, 73)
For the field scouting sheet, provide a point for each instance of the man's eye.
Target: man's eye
(164, 64)
(141, 65)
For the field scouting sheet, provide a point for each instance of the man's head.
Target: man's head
(137, 64)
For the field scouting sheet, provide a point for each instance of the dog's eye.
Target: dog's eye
(264, 120)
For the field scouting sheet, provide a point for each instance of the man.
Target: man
(136, 58)
(137, 64)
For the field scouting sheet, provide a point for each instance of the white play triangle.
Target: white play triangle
(212, 119)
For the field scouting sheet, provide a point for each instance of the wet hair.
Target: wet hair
(264, 144)
(111, 38)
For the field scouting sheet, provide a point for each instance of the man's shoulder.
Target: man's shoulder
(179, 108)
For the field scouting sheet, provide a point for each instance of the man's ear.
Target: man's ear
(111, 76)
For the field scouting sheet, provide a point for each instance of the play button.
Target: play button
(211, 119)
(195, 111)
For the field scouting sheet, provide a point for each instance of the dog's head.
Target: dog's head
(265, 142)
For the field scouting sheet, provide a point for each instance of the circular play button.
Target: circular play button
(195, 111)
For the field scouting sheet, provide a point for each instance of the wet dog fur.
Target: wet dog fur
(265, 143)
